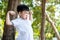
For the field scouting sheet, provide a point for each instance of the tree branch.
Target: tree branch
(53, 26)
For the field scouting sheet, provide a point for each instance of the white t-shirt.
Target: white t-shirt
(25, 31)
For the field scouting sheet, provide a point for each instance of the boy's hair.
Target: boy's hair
(22, 7)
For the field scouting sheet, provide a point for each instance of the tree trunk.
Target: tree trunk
(43, 20)
(9, 30)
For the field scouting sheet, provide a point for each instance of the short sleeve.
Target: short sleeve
(30, 22)
(14, 22)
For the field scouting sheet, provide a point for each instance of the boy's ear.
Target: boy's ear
(19, 13)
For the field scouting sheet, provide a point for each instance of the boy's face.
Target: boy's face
(24, 14)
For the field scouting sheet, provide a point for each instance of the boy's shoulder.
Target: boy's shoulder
(15, 20)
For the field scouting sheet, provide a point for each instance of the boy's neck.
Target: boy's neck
(22, 18)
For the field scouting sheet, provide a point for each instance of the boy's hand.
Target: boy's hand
(30, 12)
(11, 13)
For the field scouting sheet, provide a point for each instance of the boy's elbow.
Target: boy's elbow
(8, 23)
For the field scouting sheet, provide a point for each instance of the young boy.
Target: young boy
(23, 23)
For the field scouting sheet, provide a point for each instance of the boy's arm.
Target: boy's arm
(8, 22)
(30, 16)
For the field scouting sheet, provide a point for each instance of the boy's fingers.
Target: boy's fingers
(31, 12)
(11, 12)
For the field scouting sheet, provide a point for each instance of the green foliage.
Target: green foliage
(51, 9)
(3, 7)
(58, 25)
(1, 27)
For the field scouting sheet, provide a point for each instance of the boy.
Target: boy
(23, 23)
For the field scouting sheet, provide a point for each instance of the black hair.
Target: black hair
(22, 7)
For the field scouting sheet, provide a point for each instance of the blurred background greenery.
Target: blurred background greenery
(52, 9)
